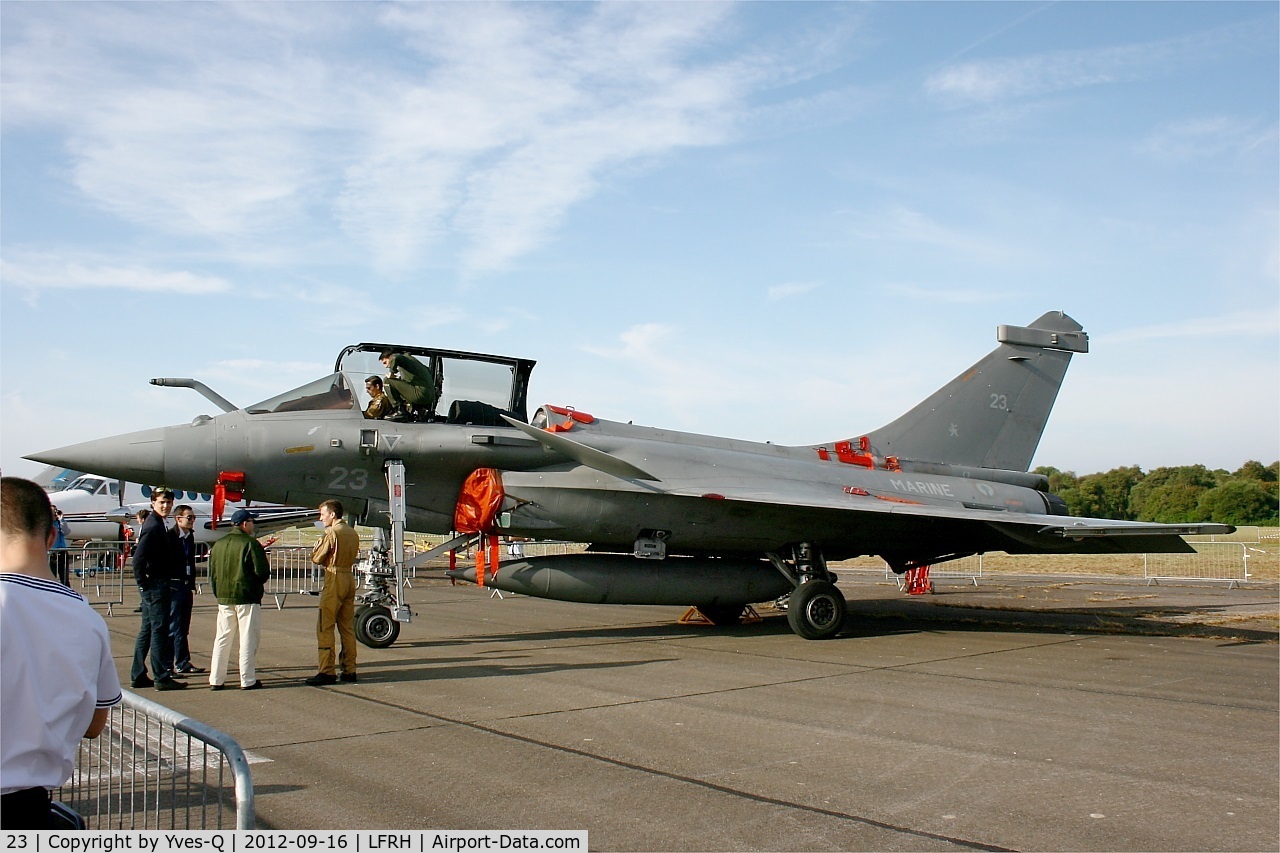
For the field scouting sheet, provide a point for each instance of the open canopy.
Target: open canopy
(471, 387)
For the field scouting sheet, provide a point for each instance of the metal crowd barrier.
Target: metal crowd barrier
(545, 549)
(293, 573)
(1223, 561)
(152, 768)
(1213, 561)
(96, 570)
(966, 567)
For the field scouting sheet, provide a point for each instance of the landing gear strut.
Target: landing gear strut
(816, 609)
(380, 606)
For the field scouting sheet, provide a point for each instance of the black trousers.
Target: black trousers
(25, 809)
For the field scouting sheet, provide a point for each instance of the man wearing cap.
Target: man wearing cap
(238, 572)
(154, 563)
(336, 552)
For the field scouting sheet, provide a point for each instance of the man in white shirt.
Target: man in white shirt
(57, 678)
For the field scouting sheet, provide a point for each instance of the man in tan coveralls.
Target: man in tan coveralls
(336, 552)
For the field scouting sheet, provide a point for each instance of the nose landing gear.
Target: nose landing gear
(380, 606)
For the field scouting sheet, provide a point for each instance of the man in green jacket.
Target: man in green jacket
(238, 573)
(410, 384)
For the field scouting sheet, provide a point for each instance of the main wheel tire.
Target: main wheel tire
(375, 627)
(722, 614)
(816, 610)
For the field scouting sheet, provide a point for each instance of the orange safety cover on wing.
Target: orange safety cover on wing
(478, 501)
(573, 417)
(846, 454)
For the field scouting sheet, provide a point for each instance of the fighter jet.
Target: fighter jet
(670, 517)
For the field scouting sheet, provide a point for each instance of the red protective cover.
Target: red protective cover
(478, 501)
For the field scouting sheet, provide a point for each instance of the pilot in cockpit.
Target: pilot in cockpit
(379, 403)
(410, 384)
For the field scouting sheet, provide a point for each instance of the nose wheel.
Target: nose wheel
(375, 626)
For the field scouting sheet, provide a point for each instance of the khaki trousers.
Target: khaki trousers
(232, 619)
(337, 608)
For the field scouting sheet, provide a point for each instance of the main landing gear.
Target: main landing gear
(815, 609)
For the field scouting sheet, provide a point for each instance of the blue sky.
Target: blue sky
(785, 222)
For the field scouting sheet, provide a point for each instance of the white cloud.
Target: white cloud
(562, 100)
(671, 378)
(434, 316)
(953, 296)
(487, 122)
(986, 81)
(791, 289)
(256, 373)
(36, 271)
(993, 80)
(903, 224)
(641, 344)
(1240, 323)
(1208, 137)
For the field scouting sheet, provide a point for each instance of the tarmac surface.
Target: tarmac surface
(1029, 713)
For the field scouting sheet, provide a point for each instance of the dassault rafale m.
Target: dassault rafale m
(670, 517)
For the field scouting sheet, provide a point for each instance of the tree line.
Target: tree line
(1173, 495)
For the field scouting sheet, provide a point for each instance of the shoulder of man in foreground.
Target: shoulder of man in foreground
(38, 578)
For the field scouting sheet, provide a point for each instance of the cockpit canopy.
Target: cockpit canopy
(470, 387)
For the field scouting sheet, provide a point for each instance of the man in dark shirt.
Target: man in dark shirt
(182, 588)
(154, 562)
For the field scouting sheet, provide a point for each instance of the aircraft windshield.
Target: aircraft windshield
(331, 392)
(461, 381)
(85, 484)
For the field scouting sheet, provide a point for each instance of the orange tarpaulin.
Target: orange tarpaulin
(478, 501)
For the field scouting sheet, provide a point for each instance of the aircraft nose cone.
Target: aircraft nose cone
(136, 456)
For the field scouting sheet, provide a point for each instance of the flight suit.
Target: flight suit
(410, 384)
(379, 407)
(336, 552)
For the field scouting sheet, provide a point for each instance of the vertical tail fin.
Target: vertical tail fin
(993, 414)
